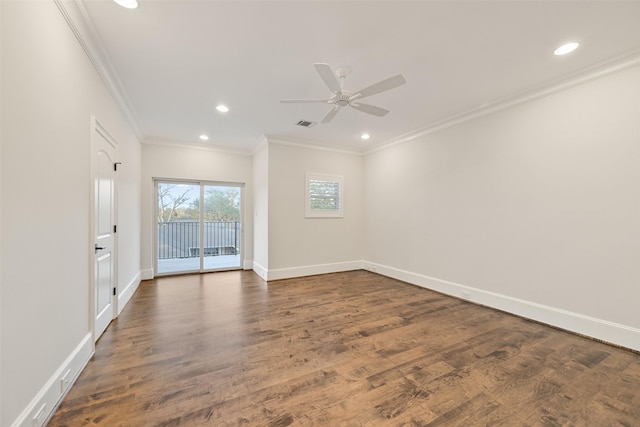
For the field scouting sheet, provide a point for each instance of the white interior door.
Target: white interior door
(104, 249)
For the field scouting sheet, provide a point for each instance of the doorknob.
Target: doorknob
(98, 248)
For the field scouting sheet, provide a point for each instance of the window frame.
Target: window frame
(324, 213)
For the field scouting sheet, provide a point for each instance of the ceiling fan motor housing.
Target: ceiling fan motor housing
(341, 99)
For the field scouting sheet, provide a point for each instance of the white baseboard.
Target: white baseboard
(311, 270)
(146, 274)
(247, 265)
(51, 394)
(614, 333)
(259, 270)
(126, 294)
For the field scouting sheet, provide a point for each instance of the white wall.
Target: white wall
(49, 92)
(536, 209)
(261, 210)
(1, 136)
(172, 161)
(299, 245)
(129, 215)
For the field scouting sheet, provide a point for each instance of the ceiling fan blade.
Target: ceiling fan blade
(330, 115)
(381, 86)
(370, 109)
(327, 75)
(304, 101)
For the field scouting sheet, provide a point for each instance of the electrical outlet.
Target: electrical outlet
(41, 416)
(65, 380)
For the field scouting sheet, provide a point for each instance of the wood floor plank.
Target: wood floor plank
(343, 349)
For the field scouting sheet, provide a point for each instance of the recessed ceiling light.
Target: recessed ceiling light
(365, 136)
(222, 108)
(566, 48)
(204, 137)
(129, 4)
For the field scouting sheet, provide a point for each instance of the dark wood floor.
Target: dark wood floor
(346, 349)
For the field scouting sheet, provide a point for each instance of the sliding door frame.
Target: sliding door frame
(202, 184)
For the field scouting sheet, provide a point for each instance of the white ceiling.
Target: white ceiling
(176, 60)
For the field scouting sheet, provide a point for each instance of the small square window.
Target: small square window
(323, 196)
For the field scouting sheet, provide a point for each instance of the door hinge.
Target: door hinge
(114, 291)
(115, 166)
(115, 228)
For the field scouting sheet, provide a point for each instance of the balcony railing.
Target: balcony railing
(181, 239)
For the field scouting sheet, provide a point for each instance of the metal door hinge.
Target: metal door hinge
(114, 291)
(115, 228)
(115, 166)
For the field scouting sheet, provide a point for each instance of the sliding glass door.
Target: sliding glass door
(221, 219)
(199, 227)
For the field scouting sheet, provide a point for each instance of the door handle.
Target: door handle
(97, 248)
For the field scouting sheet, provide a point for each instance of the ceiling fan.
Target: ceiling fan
(341, 98)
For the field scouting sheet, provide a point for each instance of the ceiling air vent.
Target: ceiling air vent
(305, 123)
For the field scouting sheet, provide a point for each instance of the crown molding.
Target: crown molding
(75, 14)
(594, 72)
(204, 146)
(281, 140)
